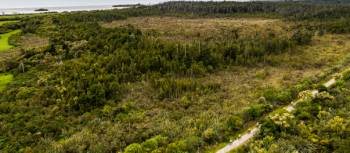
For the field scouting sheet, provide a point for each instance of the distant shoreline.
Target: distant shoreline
(18, 11)
(126, 5)
(41, 10)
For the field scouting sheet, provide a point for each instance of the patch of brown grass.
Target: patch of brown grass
(31, 41)
(184, 29)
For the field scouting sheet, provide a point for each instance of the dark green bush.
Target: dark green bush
(302, 37)
(210, 135)
(154, 143)
(278, 97)
(172, 88)
(256, 111)
(134, 148)
(234, 123)
(189, 144)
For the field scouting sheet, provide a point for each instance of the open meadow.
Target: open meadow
(4, 40)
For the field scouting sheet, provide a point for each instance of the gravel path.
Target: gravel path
(241, 140)
(255, 130)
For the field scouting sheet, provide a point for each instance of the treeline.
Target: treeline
(99, 60)
(342, 2)
(327, 17)
(90, 16)
(212, 8)
(292, 10)
(87, 68)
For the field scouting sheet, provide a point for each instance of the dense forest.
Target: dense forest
(69, 94)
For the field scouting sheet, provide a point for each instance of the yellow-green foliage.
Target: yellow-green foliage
(315, 126)
(4, 40)
(4, 80)
(6, 22)
(108, 90)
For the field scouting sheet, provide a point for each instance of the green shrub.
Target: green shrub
(268, 127)
(173, 88)
(321, 87)
(134, 148)
(210, 135)
(302, 37)
(189, 144)
(24, 92)
(176, 87)
(303, 115)
(197, 69)
(149, 145)
(185, 102)
(341, 145)
(176, 147)
(278, 96)
(193, 143)
(256, 111)
(234, 123)
(304, 85)
(346, 75)
(153, 143)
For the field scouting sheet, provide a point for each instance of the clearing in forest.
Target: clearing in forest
(4, 40)
(185, 29)
(4, 80)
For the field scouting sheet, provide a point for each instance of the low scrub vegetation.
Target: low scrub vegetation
(318, 125)
(96, 87)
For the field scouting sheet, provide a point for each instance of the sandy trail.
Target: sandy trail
(241, 140)
(247, 136)
(330, 83)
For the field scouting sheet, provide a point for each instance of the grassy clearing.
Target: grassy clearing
(4, 40)
(7, 22)
(4, 80)
(187, 29)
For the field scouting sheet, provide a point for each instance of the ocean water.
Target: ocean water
(60, 3)
(9, 11)
(29, 6)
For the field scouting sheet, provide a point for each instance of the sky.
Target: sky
(55, 3)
